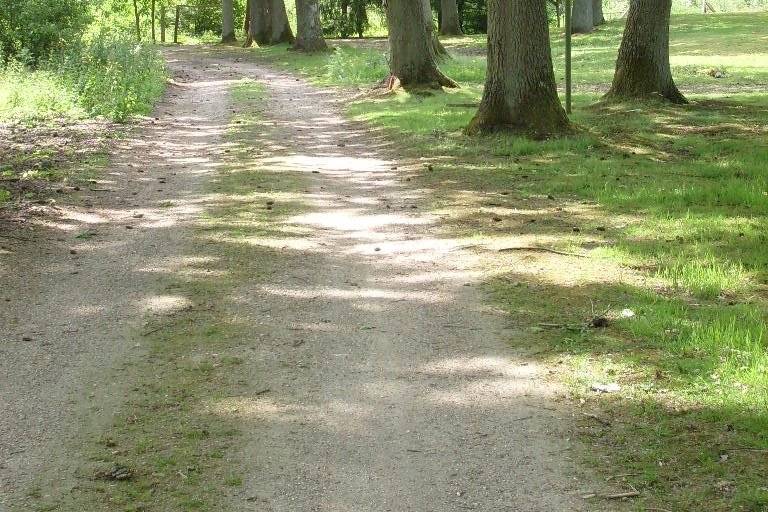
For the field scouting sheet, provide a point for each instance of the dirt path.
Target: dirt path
(376, 378)
(76, 292)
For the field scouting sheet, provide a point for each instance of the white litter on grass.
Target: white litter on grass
(627, 313)
(606, 388)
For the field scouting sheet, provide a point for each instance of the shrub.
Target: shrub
(40, 26)
(108, 76)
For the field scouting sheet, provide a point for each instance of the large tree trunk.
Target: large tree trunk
(281, 29)
(227, 21)
(309, 33)
(520, 92)
(582, 18)
(598, 18)
(261, 23)
(412, 44)
(449, 18)
(642, 67)
(247, 24)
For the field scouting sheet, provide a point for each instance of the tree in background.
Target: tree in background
(228, 21)
(40, 26)
(520, 92)
(642, 67)
(450, 25)
(582, 19)
(597, 13)
(309, 31)
(429, 19)
(343, 18)
(414, 58)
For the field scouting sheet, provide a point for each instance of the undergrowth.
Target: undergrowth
(104, 76)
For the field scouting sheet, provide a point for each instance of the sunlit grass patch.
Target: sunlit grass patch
(105, 76)
(26, 94)
(706, 278)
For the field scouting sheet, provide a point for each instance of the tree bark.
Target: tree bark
(309, 33)
(449, 18)
(642, 67)
(412, 45)
(247, 24)
(597, 13)
(261, 23)
(281, 29)
(152, 14)
(440, 52)
(162, 24)
(520, 92)
(582, 18)
(228, 21)
(138, 20)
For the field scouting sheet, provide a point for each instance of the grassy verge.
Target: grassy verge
(50, 140)
(670, 207)
(168, 450)
(105, 76)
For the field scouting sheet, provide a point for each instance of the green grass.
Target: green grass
(669, 203)
(105, 76)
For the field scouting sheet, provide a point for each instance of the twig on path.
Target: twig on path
(262, 392)
(153, 331)
(462, 105)
(541, 249)
(622, 495)
(523, 418)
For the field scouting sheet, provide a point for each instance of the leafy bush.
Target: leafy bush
(40, 26)
(114, 77)
(108, 76)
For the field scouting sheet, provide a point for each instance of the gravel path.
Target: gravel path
(392, 387)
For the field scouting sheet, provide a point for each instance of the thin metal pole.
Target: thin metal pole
(568, 82)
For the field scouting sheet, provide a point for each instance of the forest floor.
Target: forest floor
(253, 308)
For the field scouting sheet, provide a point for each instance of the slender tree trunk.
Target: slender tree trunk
(152, 13)
(281, 29)
(598, 18)
(412, 44)
(520, 92)
(309, 32)
(642, 67)
(360, 16)
(345, 19)
(261, 22)
(582, 18)
(449, 18)
(162, 24)
(228, 21)
(247, 24)
(138, 20)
